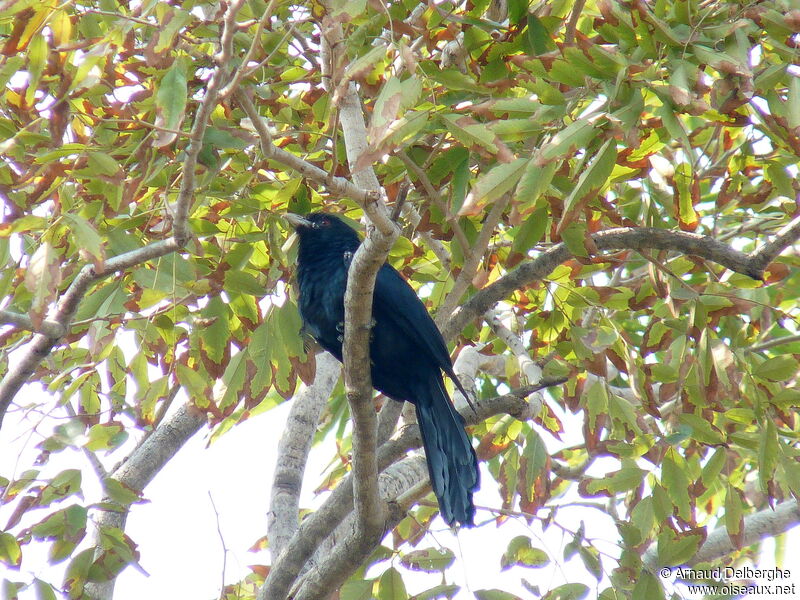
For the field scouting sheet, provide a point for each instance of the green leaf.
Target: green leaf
(11, 65)
(66, 528)
(42, 278)
(430, 560)
(170, 102)
(734, 514)
(44, 591)
(622, 410)
(387, 104)
(643, 517)
(591, 181)
(495, 595)
(702, 430)
(647, 587)
(77, 572)
(793, 103)
(10, 552)
(103, 164)
(223, 139)
(596, 402)
(779, 368)
(530, 232)
(567, 591)
(170, 28)
(10, 589)
(535, 181)
(215, 336)
(470, 133)
(674, 549)
(356, 590)
(684, 179)
(520, 553)
(233, 381)
(676, 482)
(713, 467)
(538, 36)
(120, 493)
(196, 385)
(490, 186)
(461, 176)
(86, 237)
(37, 58)
(438, 592)
(768, 454)
(365, 63)
(391, 586)
(574, 136)
(452, 79)
(626, 479)
(106, 436)
(243, 282)
(64, 484)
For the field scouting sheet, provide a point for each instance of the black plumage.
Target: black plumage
(407, 352)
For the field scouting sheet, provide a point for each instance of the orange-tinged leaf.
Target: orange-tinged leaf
(34, 24)
(776, 272)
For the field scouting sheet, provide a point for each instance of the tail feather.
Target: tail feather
(452, 464)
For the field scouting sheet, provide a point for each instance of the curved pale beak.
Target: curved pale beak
(296, 221)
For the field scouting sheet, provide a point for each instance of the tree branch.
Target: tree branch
(370, 256)
(338, 185)
(142, 465)
(319, 525)
(537, 269)
(293, 449)
(48, 327)
(347, 555)
(778, 341)
(221, 73)
(242, 69)
(635, 238)
(757, 526)
(473, 258)
(42, 344)
(370, 510)
(787, 236)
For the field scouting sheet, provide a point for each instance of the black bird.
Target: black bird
(407, 352)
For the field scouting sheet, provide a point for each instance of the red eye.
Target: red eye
(324, 221)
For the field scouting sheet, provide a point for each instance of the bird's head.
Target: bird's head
(323, 230)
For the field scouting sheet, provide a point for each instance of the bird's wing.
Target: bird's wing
(397, 301)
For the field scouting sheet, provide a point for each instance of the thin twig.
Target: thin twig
(241, 71)
(224, 548)
(223, 59)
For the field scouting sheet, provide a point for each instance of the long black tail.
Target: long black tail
(452, 464)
